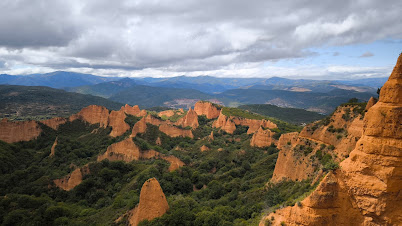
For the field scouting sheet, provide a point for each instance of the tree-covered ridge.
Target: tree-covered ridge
(225, 185)
(291, 115)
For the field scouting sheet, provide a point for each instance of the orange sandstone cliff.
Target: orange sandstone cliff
(262, 138)
(11, 132)
(73, 179)
(139, 127)
(174, 131)
(93, 114)
(54, 123)
(366, 190)
(116, 121)
(225, 124)
(152, 204)
(190, 119)
(206, 108)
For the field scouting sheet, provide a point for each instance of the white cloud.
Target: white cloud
(183, 37)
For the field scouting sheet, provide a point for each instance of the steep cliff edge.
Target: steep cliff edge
(93, 114)
(366, 190)
(152, 204)
(207, 108)
(73, 179)
(190, 119)
(262, 138)
(303, 155)
(11, 132)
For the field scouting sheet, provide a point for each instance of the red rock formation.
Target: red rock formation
(152, 204)
(167, 113)
(287, 139)
(207, 109)
(11, 132)
(54, 123)
(204, 148)
(116, 121)
(72, 180)
(173, 131)
(211, 136)
(190, 119)
(370, 103)
(293, 163)
(52, 150)
(155, 121)
(366, 190)
(175, 162)
(142, 113)
(253, 124)
(262, 138)
(128, 151)
(158, 141)
(124, 150)
(225, 124)
(134, 110)
(93, 114)
(139, 127)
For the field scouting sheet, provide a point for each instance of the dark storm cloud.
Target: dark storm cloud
(186, 35)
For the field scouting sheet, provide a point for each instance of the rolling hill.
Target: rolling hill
(37, 102)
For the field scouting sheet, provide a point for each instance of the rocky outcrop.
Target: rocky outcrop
(287, 139)
(53, 149)
(262, 138)
(225, 124)
(93, 114)
(139, 127)
(366, 190)
(253, 124)
(152, 203)
(204, 148)
(54, 123)
(343, 130)
(116, 121)
(174, 131)
(370, 103)
(11, 132)
(73, 179)
(125, 150)
(175, 162)
(128, 151)
(190, 119)
(155, 121)
(134, 110)
(167, 113)
(206, 108)
(211, 136)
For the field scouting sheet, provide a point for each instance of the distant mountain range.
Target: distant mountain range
(183, 91)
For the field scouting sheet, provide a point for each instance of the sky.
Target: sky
(319, 39)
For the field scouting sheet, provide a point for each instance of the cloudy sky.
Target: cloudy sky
(224, 38)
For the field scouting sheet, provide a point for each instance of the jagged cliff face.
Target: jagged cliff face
(207, 109)
(152, 204)
(174, 131)
(116, 121)
(139, 127)
(134, 110)
(225, 124)
(54, 123)
(262, 138)
(190, 119)
(253, 124)
(93, 114)
(11, 132)
(73, 179)
(366, 190)
(124, 150)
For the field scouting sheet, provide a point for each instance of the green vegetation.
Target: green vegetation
(37, 102)
(291, 115)
(223, 186)
(283, 127)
